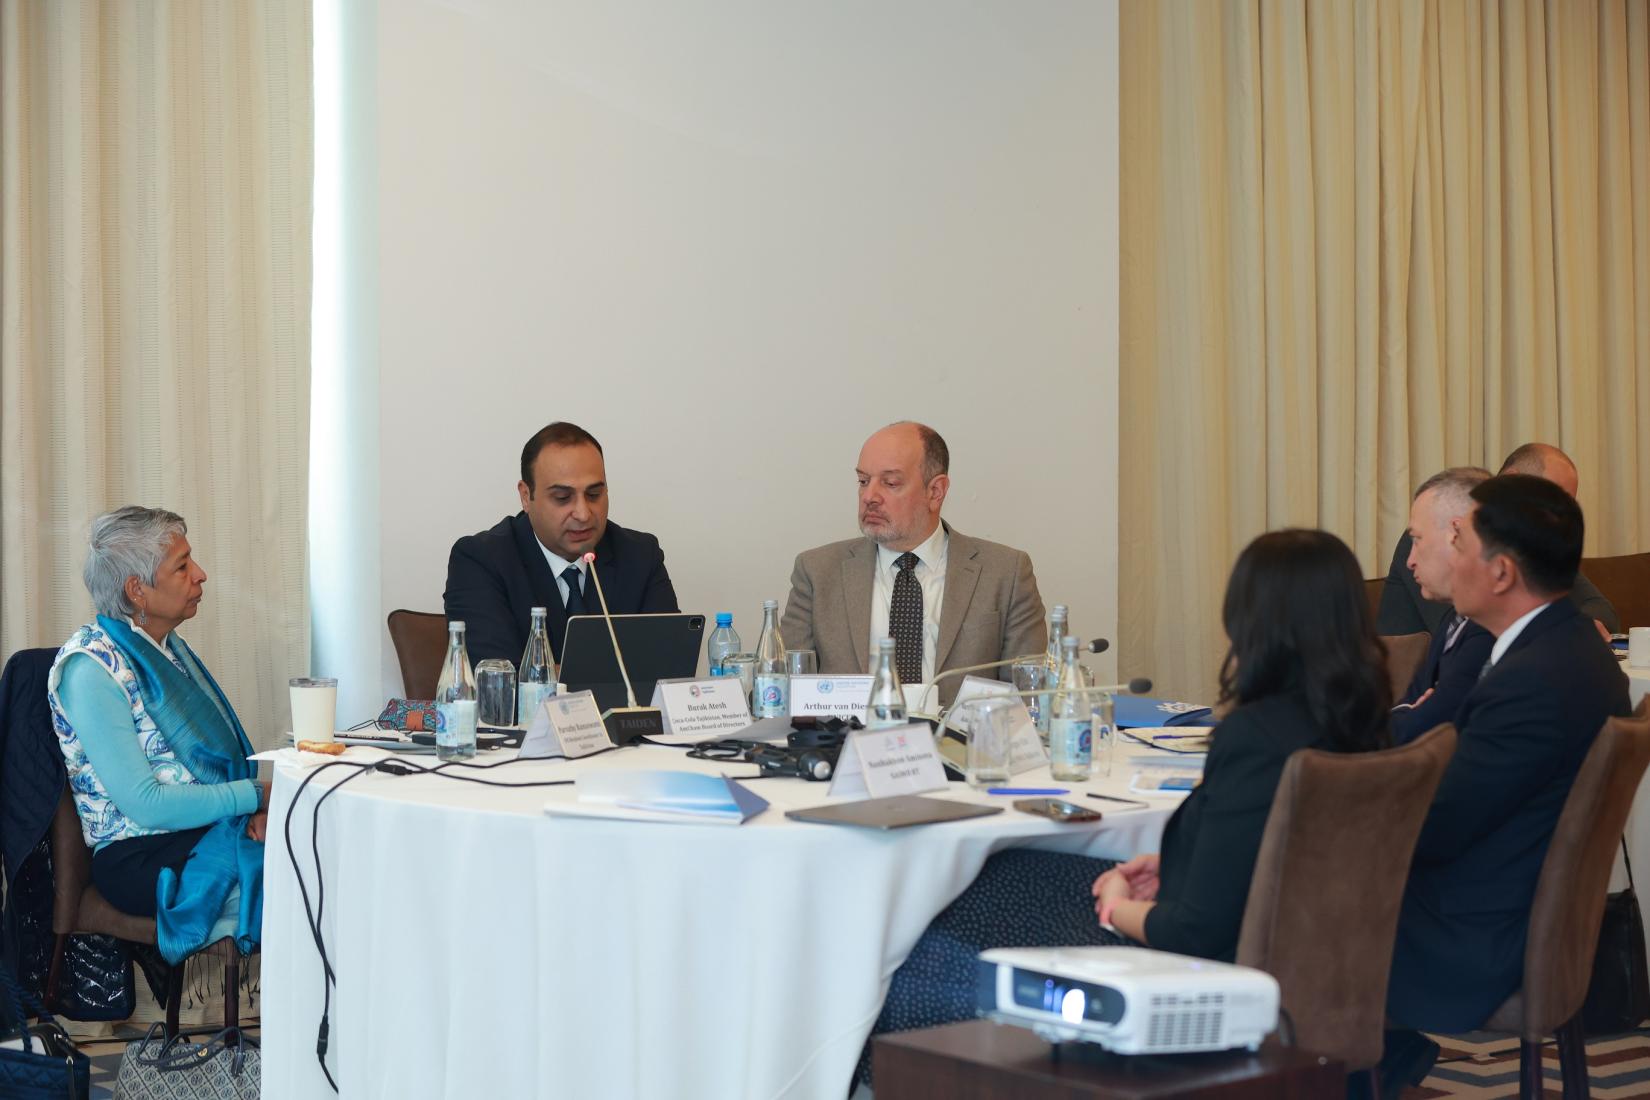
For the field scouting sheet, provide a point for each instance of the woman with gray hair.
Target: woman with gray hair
(156, 757)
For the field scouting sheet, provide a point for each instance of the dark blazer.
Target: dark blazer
(1451, 675)
(1211, 842)
(1524, 730)
(496, 578)
(1403, 611)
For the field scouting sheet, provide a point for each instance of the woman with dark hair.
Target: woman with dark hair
(1305, 670)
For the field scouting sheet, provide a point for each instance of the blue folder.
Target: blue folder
(1131, 711)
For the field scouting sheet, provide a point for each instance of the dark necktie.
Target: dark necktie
(575, 594)
(905, 620)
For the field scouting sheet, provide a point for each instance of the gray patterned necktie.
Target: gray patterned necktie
(905, 620)
(1458, 623)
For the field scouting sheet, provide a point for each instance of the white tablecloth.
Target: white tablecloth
(485, 949)
(1640, 680)
(1638, 818)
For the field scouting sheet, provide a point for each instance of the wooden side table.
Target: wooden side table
(980, 1060)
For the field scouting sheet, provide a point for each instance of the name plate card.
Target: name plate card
(697, 710)
(1025, 748)
(565, 725)
(880, 763)
(830, 696)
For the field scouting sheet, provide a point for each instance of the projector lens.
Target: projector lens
(1072, 1006)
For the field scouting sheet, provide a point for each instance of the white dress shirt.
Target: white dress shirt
(930, 574)
(1510, 635)
(557, 565)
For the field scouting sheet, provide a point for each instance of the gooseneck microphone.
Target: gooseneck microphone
(1098, 645)
(630, 722)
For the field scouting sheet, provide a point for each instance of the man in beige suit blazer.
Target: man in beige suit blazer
(978, 600)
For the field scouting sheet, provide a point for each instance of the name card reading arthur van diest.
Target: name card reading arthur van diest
(829, 696)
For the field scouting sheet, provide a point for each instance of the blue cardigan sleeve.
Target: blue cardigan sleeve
(98, 710)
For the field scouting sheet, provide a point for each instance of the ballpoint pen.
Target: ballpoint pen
(1125, 801)
(1028, 790)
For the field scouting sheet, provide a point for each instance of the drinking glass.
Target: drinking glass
(1103, 736)
(1033, 675)
(314, 708)
(989, 723)
(801, 662)
(742, 665)
(496, 692)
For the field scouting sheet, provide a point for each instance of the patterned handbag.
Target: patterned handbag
(408, 716)
(227, 1066)
(48, 1065)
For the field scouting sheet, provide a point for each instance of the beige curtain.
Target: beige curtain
(155, 288)
(1362, 241)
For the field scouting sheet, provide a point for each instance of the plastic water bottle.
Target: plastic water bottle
(886, 705)
(1056, 631)
(771, 696)
(535, 680)
(1071, 720)
(723, 643)
(455, 700)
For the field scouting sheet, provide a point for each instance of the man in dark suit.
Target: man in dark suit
(947, 600)
(1525, 728)
(535, 558)
(1459, 646)
(1406, 610)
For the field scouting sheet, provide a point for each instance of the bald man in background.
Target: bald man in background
(947, 599)
(1405, 611)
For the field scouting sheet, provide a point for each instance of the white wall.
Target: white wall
(731, 239)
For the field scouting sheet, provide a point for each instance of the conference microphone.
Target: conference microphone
(1098, 645)
(630, 723)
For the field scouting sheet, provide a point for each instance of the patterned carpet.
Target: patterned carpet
(1482, 1067)
(1471, 1067)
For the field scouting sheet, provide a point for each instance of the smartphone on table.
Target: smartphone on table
(1057, 808)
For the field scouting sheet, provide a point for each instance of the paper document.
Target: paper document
(661, 796)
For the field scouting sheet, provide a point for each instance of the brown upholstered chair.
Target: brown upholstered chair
(1625, 582)
(1372, 592)
(78, 907)
(1569, 906)
(1404, 654)
(1322, 914)
(420, 639)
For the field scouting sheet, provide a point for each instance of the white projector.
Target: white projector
(1128, 999)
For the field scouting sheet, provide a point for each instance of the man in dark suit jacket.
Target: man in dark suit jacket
(1406, 610)
(1524, 730)
(535, 558)
(1460, 646)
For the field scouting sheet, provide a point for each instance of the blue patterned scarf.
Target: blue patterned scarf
(206, 735)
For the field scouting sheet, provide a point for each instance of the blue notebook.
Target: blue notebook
(1131, 711)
